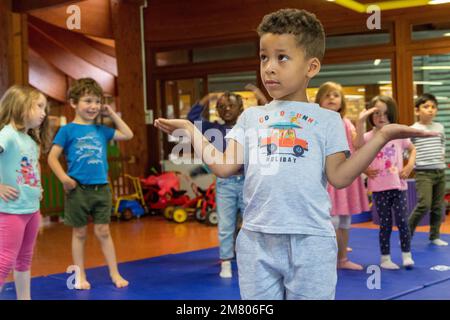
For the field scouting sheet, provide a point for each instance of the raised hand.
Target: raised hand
(8, 193)
(258, 93)
(366, 113)
(106, 110)
(170, 125)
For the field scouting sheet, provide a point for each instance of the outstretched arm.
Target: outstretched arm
(341, 172)
(222, 164)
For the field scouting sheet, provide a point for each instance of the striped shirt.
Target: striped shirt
(430, 150)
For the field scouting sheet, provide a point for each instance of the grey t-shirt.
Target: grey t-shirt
(430, 150)
(286, 144)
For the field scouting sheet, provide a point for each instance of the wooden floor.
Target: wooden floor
(147, 237)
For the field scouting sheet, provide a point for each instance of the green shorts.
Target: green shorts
(85, 200)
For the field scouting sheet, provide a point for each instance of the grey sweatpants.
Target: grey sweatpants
(286, 266)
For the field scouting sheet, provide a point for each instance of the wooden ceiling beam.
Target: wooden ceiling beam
(77, 44)
(24, 6)
(67, 62)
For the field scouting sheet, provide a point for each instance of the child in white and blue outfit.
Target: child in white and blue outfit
(229, 196)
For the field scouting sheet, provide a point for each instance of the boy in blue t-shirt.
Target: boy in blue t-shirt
(84, 144)
(286, 248)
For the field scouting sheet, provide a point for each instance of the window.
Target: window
(430, 30)
(358, 39)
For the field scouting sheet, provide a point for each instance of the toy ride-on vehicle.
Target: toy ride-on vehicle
(202, 206)
(162, 193)
(127, 206)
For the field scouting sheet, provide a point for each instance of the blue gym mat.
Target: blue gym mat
(194, 276)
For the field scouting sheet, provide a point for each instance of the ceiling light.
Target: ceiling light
(376, 62)
(438, 1)
(434, 68)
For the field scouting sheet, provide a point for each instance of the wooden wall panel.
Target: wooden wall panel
(172, 22)
(106, 49)
(13, 47)
(70, 64)
(95, 17)
(23, 6)
(46, 78)
(127, 33)
(76, 44)
(4, 45)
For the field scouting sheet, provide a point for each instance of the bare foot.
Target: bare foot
(83, 285)
(119, 281)
(347, 264)
(349, 249)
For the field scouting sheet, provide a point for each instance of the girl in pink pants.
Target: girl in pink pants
(23, 130)
(18, 234)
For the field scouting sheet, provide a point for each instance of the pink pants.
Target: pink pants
(18, 233)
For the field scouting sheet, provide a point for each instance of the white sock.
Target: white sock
(407, 259)
(386, 263)
(225, 269)
(439, 242)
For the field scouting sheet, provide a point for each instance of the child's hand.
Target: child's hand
(258, 93)
(398, 131)
(371, 173)
(8, 193)
(170, 125)
(406, 171)
(106, 110)
(366, 113)
(69, 184)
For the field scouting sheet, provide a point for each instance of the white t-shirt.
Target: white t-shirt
(286, 144)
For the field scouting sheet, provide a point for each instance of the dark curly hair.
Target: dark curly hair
(304, 25)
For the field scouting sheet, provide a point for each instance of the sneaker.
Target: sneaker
(408, 262)
(225, 269)
(439, 242)
(386, 263)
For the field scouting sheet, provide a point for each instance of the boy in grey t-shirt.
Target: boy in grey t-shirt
(286, 248)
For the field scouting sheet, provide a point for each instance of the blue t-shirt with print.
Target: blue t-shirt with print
(85, 150)
(285, 148)
(19, 168)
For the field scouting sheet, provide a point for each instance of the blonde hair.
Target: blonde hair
(15, 104)
(325, 88)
